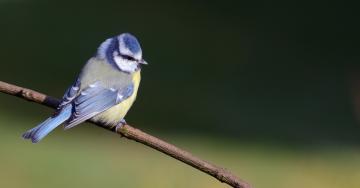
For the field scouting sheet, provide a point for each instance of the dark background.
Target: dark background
(284, 74)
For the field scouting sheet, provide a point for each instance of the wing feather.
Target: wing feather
(70, 94)
(94, 100)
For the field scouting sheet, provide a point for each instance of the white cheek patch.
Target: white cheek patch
(126, 65)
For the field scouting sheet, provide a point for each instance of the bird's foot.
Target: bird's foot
(120, 124)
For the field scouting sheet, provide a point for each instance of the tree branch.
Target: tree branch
(137, 135)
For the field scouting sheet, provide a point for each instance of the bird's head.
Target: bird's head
(123, 51)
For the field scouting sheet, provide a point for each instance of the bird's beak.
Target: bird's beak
(143, 62)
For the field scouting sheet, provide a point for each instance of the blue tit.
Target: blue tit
(104, 91)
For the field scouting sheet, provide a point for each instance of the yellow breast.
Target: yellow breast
(116, 113)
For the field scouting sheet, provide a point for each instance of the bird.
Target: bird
(104, 91)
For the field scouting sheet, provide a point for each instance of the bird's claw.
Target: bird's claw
(120, 124)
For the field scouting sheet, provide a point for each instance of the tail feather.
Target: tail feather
(28, 134)
(39, 132)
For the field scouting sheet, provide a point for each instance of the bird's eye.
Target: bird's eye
(128, 57)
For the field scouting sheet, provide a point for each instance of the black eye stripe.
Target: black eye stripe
(128, 57)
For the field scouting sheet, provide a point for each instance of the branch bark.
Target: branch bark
(137, 135)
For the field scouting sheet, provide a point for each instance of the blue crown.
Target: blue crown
(131, 43)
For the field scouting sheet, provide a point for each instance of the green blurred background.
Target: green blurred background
(270, 90)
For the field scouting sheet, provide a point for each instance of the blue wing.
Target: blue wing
(95, 99)
(78, 106)
(70, 94)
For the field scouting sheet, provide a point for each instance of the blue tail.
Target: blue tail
(39, 132)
